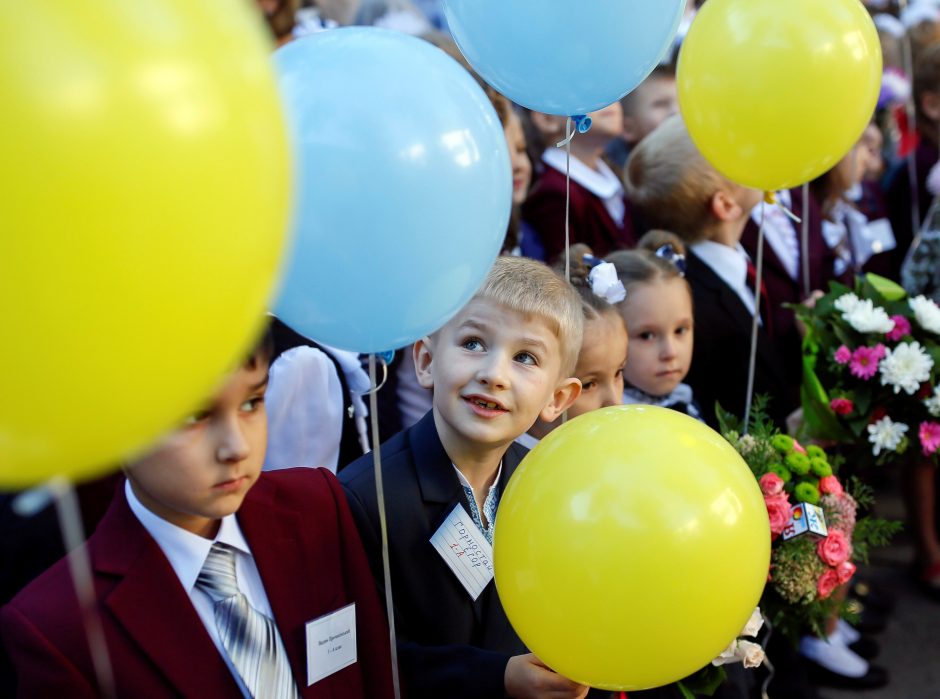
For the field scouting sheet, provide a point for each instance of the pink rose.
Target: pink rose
(778, 511)
(902, 327)
(828, 582)
(845, 571)
(834, 549)
(843, 355)
(798, 448)
(771, 484)
(841, 406)
(830, 485)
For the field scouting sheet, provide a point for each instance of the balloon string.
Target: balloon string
(759, 274)
(907, 57)
(804, 241)
(383, 524)
(73, 536)
(569, 134)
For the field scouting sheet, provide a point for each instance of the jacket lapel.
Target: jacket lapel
(155, 610)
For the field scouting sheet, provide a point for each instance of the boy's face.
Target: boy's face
(202, 471)
(656, 100)
(494, 371)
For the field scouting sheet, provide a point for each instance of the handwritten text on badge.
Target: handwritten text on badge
(465, 550)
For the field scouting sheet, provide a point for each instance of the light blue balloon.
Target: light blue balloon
(563, 57)
(404, 187)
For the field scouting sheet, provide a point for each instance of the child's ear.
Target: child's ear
(565, 394)
(725, 207)
(423, 354)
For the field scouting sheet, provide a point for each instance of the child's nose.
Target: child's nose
(232, 446)
(611, 394)
(668, 347)
(493, 371)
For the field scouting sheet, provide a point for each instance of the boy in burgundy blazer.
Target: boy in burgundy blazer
(295, 557)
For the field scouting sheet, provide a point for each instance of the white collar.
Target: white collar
(527, 440)
(730, 264)
(602, 183)
(186, 552)
(466, 484)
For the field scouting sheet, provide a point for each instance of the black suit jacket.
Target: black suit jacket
(449, 645)
(783, 289)
(722, 350)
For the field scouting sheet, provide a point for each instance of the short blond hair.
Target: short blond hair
(671, 183)
(532, 289)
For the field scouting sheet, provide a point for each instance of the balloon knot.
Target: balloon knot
(770, 197)
(582, 122)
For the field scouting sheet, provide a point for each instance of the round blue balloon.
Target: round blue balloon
(563, 57)
(404, 187)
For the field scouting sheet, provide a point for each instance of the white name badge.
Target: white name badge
(465, 550)
(331, 643)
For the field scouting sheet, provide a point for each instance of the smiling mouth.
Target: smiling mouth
(484, 404)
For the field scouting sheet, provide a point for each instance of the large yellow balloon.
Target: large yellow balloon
(775, 92)
(145, 191)
(632, 544)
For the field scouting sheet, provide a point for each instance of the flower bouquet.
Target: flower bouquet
(870, 367)
(818, 529)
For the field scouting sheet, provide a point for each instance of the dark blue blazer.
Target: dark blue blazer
(449, 645)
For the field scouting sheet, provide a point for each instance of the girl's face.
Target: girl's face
(848, 172)
(518, 158)
(600, 364)
(658, 315)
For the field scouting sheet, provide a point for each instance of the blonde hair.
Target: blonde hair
(671, 183)
(532, 289)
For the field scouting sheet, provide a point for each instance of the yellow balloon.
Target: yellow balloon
(145, 186)
(776, 92)
(631, 546)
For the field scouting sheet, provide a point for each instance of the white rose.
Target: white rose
(754, 624)
(728, 655)
(752, 654)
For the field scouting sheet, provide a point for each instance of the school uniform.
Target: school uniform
(723, 320)
(309, 563)
(600, 216)
(898, 189)
(449, 645)
(783, 270)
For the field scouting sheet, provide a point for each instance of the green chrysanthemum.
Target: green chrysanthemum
(798, 463)
(806, 492)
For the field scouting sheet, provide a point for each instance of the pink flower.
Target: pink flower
(828, 582)
(929, 437)
(834, 549)
(845, 571)
(843, 355)
(778, 511)
(902, 327)
(830, 485)
(798, 448)
(841, 406)
(865, 360)
(771, 484)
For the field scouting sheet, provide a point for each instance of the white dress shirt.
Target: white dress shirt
(780, 232)
(731, 265)
(602, 182)
(187, 552)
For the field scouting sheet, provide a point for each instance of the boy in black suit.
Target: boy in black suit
(505, 360)
(675, 188)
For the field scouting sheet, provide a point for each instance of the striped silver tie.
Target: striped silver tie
(249, 637)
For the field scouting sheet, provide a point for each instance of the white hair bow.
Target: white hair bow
(606, 284)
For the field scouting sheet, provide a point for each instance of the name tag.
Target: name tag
(331, 643)
(465, 550)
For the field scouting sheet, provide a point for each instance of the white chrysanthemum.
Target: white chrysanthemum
(866, 317)
(927, 313)
(846, 303)
(933, 403)
(905, 367)
(886, 435)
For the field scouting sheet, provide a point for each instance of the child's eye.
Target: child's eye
(472, 344)
(619, 372)
(526, 358)
(587, 386)
(196, 418)
(646, 335)
(252, 404)
(683, 330)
